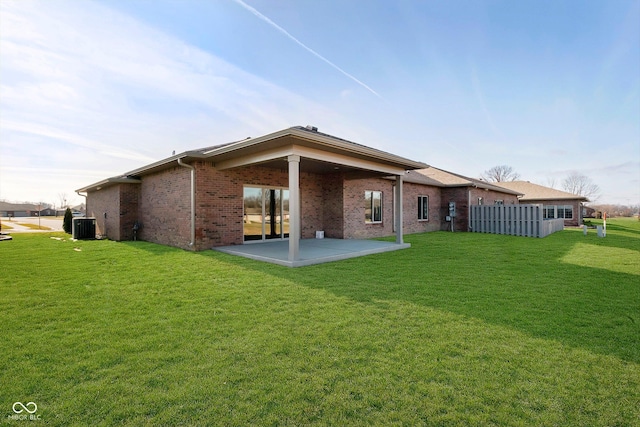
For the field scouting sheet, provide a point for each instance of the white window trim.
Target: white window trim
(373, 221)
(420, 211)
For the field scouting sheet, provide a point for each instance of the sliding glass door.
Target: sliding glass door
(266, 213)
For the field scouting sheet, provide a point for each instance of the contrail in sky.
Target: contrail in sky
(316, 54)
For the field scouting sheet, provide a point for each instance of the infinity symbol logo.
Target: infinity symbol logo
(22, 407)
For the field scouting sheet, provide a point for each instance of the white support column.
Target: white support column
(294, 207)
(398, 210)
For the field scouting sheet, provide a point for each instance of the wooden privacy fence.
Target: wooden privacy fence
(515, 220)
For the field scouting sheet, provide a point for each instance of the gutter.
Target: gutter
(193, 200)
(86, 206)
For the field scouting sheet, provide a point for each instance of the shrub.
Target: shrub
(66, 222)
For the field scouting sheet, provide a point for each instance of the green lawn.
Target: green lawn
(461, 329)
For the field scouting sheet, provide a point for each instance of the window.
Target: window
(423, 208)
(567, 212)
(552, 211)
(549, 212)
(372, 207)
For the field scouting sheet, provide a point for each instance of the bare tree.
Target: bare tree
(500, 174)
(63, 200)
(551, 182)
(579, 184)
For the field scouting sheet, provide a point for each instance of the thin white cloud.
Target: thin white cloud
(477, 89)
(37, 129)
(86, 77)
(304, 46)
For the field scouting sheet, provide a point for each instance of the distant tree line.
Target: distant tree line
(574, 183)
(616, 210)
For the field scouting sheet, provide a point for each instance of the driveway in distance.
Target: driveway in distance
(48, 223)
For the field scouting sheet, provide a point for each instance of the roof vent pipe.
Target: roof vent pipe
(193, 201)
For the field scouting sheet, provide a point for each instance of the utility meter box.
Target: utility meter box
(452, 209)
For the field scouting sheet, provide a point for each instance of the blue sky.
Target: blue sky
(90, 90)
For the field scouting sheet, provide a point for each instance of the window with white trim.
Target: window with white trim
(372, 207)
(423, 208)
(565, 212)
(560, 211)
(549, 212)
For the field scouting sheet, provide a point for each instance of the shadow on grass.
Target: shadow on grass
(509, 281)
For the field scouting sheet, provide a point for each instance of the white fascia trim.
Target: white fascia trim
(308, 153)
(320, 140)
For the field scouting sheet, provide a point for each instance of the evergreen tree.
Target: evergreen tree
(66, 222)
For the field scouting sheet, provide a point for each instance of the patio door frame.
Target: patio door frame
(269, 194)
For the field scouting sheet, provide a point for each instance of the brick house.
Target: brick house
(556, 203)
(459, 193)
(285, 185)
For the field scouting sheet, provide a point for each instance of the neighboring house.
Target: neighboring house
(556, 203)
(458, 193)
(288, 184)
(48, 212)
(18, 209)
(79, 209)
(588, 212)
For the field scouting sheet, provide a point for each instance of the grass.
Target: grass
(461, 329)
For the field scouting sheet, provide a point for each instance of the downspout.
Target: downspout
(469, 227)
(86, 209)
(193, 201)
(86, 206)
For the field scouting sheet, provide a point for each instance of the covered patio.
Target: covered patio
(298, 150)
(311, 251)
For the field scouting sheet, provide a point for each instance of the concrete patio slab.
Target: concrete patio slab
(312, 251)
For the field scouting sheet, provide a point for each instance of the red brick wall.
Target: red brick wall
(106, 201)
(165, 207)
(353, 212)
(333, 205)
(129, 199)
(120, 203)
(311, 204)
(219, 201)
(411, 224)
(354, 208)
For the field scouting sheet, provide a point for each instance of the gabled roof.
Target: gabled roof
(532, 191)
(270, 149)
(6, 206)
(443, 178)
